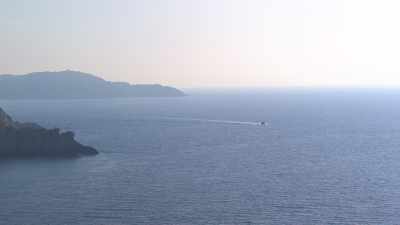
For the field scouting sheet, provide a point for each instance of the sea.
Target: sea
(324, 156)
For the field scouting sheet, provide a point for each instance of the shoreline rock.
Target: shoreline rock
(31, 140)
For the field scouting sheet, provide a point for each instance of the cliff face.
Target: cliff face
(5, 120)
(31, 140)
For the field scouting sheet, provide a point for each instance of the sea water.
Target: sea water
(324, 157)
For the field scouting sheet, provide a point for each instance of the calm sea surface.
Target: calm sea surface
(326, 157)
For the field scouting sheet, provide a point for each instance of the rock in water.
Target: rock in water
(5, 120)
(31, 140)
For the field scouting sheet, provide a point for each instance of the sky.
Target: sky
(195, 43)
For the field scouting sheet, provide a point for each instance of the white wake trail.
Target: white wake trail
(214, 121)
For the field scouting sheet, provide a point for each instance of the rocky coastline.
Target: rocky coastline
(31, 140)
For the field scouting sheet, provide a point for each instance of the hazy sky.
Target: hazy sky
(206, 42)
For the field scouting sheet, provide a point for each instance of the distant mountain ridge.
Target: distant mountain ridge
(74, 84)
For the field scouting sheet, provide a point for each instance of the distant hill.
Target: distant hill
(73, 84)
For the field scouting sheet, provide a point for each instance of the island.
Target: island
(70, 84)
(31, 140)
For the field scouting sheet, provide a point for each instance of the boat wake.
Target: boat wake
(261, 123)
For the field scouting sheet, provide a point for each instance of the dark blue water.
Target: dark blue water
(326, 157)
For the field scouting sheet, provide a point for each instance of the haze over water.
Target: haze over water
(326, 157)
(277, 156)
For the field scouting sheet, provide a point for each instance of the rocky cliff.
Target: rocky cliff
(31, 140)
